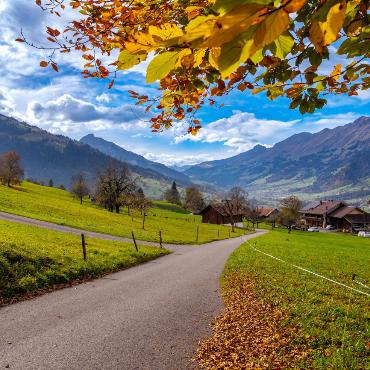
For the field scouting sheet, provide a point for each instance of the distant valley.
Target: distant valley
(330, 164)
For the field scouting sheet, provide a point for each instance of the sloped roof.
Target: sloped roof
(323, 207)
(265, 212)
(343, 211)
(221, 210)
(358, 219)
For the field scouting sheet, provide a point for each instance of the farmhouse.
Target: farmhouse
(216, 214)
(336, 213)
(265, 213)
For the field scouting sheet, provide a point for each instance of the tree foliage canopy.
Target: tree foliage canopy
(202, 49)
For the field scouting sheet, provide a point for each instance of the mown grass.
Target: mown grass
(32, 258)
(332, 320)
(58, 206)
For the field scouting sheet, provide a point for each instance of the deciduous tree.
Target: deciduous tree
(194, 199)
(11, 170)
(236, 203)
(289, 210)
(204, 49)
(79, 187)
(114, 184)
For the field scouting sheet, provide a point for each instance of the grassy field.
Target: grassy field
(331, 321)
(57, 206)
(32, 258)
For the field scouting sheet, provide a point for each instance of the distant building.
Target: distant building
(265, 213)
(215, 214)
(336, 213)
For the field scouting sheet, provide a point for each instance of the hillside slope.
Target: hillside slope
(124, 155)
(46, 156)
(332, 160)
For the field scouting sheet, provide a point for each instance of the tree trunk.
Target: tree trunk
(117, 208)
(81, 200)
(144, 221)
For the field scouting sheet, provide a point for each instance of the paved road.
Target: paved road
(148, 317)
(65, 229)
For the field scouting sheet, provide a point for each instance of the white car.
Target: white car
(313, 229)
(330, 227)
(364, 234)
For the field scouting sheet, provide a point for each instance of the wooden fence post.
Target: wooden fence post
(160, 238)
(197, 233)
(83, 246)
(133, 238)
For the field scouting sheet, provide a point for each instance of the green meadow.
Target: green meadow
(33, 258)
(58, 206)
(332, 321)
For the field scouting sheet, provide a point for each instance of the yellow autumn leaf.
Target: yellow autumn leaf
(214, 54)
(336, 72)
(324, 33)
(127, 60)
(165, 31)
(236, 52)
(271, 28)
(294, 5)
(199, 28)
(161, 66)
(233, 23)
(140, 42)
(182, 54)
(199, 56)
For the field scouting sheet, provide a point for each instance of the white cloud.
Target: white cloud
(241, 131)
(171, 159)
(104, 98)
(336, 119)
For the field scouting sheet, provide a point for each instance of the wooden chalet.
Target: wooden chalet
(265, 213)
(336, 213)
(215, 214)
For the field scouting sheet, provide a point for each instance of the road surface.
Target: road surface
(147, 317)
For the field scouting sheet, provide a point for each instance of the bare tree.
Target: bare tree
(11, 170)
(140, 203)
(79, 187)
(236, 203)
(113, 185)
(289, 211)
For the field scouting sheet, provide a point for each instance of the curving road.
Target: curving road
(147, 317)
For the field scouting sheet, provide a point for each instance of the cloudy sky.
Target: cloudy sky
(67, 104)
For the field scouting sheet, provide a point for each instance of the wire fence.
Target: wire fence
(314, 273)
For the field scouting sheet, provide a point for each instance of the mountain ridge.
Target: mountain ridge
(315, 162)
(117, 152)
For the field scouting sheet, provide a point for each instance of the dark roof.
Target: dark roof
(358, 219)
(343, 211)
(218, 207)
(323, 207)
(265, 212)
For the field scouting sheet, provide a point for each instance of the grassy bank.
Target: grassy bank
(319, 324)
(32, 259)
(57, 206)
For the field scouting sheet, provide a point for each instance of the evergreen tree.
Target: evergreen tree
(172, 195)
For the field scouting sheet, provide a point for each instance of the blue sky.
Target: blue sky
(67, 104)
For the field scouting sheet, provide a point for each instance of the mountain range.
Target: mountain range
(333, 162)
(132, 158)
(47, 156)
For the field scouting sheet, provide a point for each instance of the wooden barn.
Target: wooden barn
(215, 214)
(265, 213)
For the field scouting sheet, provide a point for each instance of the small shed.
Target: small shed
(215, 214)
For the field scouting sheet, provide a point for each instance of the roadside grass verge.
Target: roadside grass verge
(326, 324)
(59, 207)
(33, 259)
